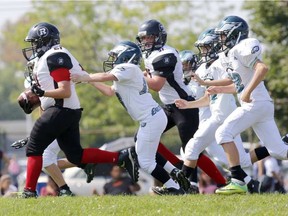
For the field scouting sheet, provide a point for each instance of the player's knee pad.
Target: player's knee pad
(32, 150)
(147, 165)
(222, 135)
(50, 154)
(192, 150)
(75, 158)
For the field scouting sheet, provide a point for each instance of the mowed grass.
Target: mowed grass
(203, 205)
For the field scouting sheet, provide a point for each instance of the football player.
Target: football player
(61, 109)
(247, 72)
(164, 75)
(221, 105)
(131, 89)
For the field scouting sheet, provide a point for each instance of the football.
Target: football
(28, 101)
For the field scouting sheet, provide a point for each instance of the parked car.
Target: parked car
(76, 177)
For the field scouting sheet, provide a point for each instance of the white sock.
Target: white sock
(170, 183)
(169, 167)
(237, 181)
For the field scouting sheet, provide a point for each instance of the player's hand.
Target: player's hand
(214, 90)
(36, 90)
(245, 97)
(80, 78)
(196, 78)
(20, 143)
(181, 103)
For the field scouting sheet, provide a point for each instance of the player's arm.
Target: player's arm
(103, 88)
(229, 89)
(163, 66)
(201, 102)
(221, 82)
(59, 65)
(260, 71)
(96, 77)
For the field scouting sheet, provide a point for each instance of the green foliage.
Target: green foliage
(269, 23)
(270, 204)
(89, 30)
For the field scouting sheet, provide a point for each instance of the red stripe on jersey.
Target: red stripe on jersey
(61, 74)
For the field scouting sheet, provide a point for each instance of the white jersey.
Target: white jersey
(132, 92)
(221, 105)
(166, 63)
(242, 58)
(54, 66)
(204, 112)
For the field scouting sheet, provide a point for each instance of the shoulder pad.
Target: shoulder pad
(59, 60)
(164, 65)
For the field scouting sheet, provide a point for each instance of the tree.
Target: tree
(89, 29)
(269, 22)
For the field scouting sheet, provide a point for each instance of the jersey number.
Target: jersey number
(236, 78)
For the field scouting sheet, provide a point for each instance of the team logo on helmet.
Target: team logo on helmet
(43, 32)
(161, 28)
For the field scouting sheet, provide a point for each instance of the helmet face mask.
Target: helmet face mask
(208, 46)
(124, 52)
(42, 37)
(151, 36)
(232, 30)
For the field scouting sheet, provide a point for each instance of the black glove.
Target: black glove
(36, 90)
(20, 143)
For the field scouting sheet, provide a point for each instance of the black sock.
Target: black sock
(194, 176)
(187, 170)
(261, 152)
(66, 187)
(160, 174)
(160, 160)
(237, 173)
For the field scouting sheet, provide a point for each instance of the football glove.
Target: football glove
(36, 90)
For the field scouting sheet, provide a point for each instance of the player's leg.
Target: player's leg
(148, 137)
(187, 123)
(41, 136)
(202, 138)
(238, 121)
(69, 142)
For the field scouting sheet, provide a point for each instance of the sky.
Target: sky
(11, 10)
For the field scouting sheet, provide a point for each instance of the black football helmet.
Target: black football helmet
(190, 58)
(232, 29)
(151, 28)
(189, 63)
(208, 45)
(42, 37)
(124, 52)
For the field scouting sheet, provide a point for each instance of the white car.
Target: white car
(76, 180)
(76, 177)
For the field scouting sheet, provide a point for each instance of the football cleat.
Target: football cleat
(20, 143)
(29, 194)
(178, 176)
(65, 193)
(89, 169)
(253, 186)
(167, 191)
(232, 188)
(193, 189)
(128, 160)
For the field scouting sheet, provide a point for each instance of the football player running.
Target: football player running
(131, 89)
(221, 105)
(164, 75)
(247, 72)
(61, 109)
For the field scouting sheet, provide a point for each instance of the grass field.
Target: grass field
(148, 205)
